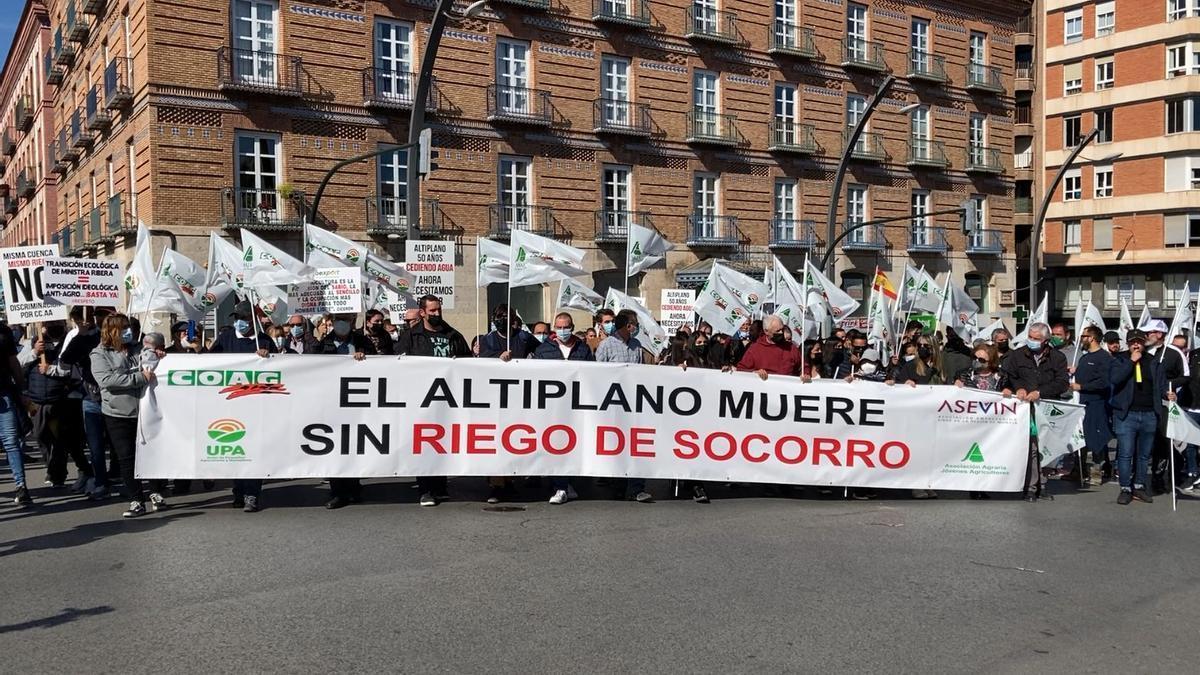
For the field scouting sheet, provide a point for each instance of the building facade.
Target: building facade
(27, 118)
(1125, 223)
(721, 124)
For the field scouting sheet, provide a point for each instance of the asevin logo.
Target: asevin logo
(224, 447)
(966, 407)
(234, 383)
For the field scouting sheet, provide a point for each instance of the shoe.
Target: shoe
(98, 494)
(427, 499)
(1142, 495)
(337, 502)
(157, 503)
(251, 504)
(1030, 497)
(699, 495)
(494, 495)
(135, 509)
(23, 498)
(644, 497)
(1195, 485)
(238, 502)
(560, 497)
(82, 484)
(54, 485)
(931, 494)
(1125, 497)
(571, 493)
(1095, 474)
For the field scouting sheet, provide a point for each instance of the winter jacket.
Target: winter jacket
(1091, 374)
(550, 350)
(1121, 374)
(775, 358)
(522, 344)
(121, 382)
(228, 342)
(1049, 379)
(420, 341)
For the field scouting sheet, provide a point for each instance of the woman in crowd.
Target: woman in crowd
(813, 354)
(694, 353)
(122, 381)
(983, 374)
(917, 365)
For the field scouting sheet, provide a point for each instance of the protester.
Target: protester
(622, 347)
(812, 360)
(563, 344)
(76, 355)
(1188, 399)
(1061, 339)
(1000, 338)
(918, 364)
(851, 355)
(1138, 388)
(1035, 372)
(772, 354)
(54, 389)
(955, 358)
(377, 335)
(1174, 369)
(12, 383)
(507, 339)
(1092, 383)
(541, 333)
(604, 326)
(154, 348)
(1112, 342)
(983, 374)
(869, 369)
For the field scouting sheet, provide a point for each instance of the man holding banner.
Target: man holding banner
(1034, 372)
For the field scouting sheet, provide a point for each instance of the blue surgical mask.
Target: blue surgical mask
(609, 328)
(1034, 345)
(540, 337)
(563, 334)
(127, 336)
(297, 331)
(242, 326)
(742, 335)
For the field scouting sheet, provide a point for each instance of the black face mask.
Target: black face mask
(435, 321)
(924, 352)
(779, 338)
(1002, 347)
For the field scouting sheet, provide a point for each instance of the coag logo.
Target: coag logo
(132, 281)
(225, 447)
(233, 383)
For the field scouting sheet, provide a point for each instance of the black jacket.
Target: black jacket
(1049, 379)
(1091, 374)
(420, 341)
(522, 344)
(1123, 382)
(549, 350)
(229, 343)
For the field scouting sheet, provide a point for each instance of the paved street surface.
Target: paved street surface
(748, 583)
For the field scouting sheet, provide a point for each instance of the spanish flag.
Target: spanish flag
(883, 285)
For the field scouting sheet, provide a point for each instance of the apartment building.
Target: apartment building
(26, 123)
(1125, 223)
(719, 122)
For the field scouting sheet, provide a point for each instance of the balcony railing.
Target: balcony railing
(265, 210)
(708, 23)
(984, 78)
(504, 218)
(79, 236)
(982, 159)
(1023, 205)
(54, 75)
(8, 143)
(612, 227)
(1025, 24)
(869, 147)
(709, 128)
(613, 116)
(387, 216)
(119, 217)
(23, 114)
(394, 90)
(927, 153)
(792, 136)
(1023, 70)
(624, 12)
(1024, 114)
(519, 105)
(792, 40)
(863, 54)
(25, 187)
(98, 116)
(66, 55)
(252, 71)
(118, 85)
(925, 66)
(81, 137)
(868, 238)
(791, 233)
(63, 238)
(531, 4)
(927, 239)
(712, 231)
(67, 152)
(60, 166)
(95, 225)
(11, 206)
(985, 242)
(94, 7)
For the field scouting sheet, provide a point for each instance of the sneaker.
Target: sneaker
(1196, 484)
(97, 494)
(1125, 497)
(157, 503)
(251, 504)
(644, 497)
(82, 484)
(54, 485)
(571, 493)
(699, 495)
(494, 495)
(23, 498)
(1142, 495)
(1095, 474)
(427, 499)
(238, 502)
(135, 509)
(337, 503)
(560, 497)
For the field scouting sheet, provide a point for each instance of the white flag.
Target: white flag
(840, 304)
(728, 298)
(961, 314)
(919, 292)
(992, 327)
(273, 301)
(1180, 426)
(646, 247)
(650, 334)
(381, 273)
(880, 332)
(267, 265)
(1039, 316)
(1086, 315)
(575, 295)
(1145, 318)
(1126, 323)
(184, 287)
(491, 263)
(1060, 429)
(786, 289)
(538, 260)
(225, 262)
(139, 278)
(1185, 316)
(323, 248)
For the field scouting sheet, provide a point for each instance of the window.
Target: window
(919, 44)
(704, 17)
(1102, 229)
(786, 219)
(1178, 9)
(855, 285)
(856, 28)
(1183, 115)
(131, 178)
(1072, 185)
(1070, 292)
(1105, 73)
(614, 91)
(785, 22)
(393, 187)
(514, 190)
(258, 176)
(920, 235)
(1071, 131)
(1072, 78)
(919, 123)
(856, 213)
(981, 214)
(254, 45)
(976, 287)
(977, 57)
(1104, 122)
(1071, 236)
(1173, 283)
(705, 97)
(1073, 26)
(617, 197)
(705, 205)
(1180, 230)
(1131, 289)
(393, 60)
(512, 78)
(1106, 18)
(855, 107)
(977, 139)
(785, 114)
(1183, 59)
(1104, 180)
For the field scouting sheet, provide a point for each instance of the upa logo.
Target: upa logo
(225, 436)
(353, 255)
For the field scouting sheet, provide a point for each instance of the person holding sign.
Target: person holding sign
(11, 385)
(1034, 372)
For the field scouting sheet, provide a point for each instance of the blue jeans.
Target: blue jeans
(1135, 435)
(10, 436)
(1190, 452)
(93, 429)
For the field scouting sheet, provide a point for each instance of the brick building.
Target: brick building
(26, 124)
(719, 124)
(1128, 227)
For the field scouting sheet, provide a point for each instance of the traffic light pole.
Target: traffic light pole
(416, 121)
(316, 205)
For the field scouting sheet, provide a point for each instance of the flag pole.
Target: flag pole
(942, 306)
(628, 236)
(908, 312)
(478, 292)
(802, 309)
(871, 305)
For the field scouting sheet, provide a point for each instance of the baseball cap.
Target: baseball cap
(1153, 326)
(1112, 336)
(1135, 334)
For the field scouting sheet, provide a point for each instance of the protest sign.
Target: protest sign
(676, 309)
(23, 268)
(237, 416)
(333, 290)
(83, 282)
(431, 263)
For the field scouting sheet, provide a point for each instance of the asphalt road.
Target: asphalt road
(747, 583)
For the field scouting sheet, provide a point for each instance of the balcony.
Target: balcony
(98, 116)
(94, 7)
(926, 154)
(863, 55)
(982, 159)
(66, 151)
(868, 238)
(1023, 121)
(1023, 77)
(95, 226)
(61, 166)
(11, 206)
(65, 56)
(984, 78)
(791, 136)
(392, 90)
(54, 74)
(624, 118)
(79, 237)
(1023, 205)
(612, 227)
(120, 220)
(927, 67)
(81, 137)
(714, 25)
(25, 187)
(528, 4)
(118, 85)
(1024, 35)
(788, 39)
(504, 218)
(927, 240)
(869, 147)
(262, 210)
(23, 114)
(258, 72)
(387, 216)
(63, 238)
(709, 128)
(8, 143)
(789, 233)
(78, 26)
(985, 242)
(712, 231)
(634, 13)
(519, 105)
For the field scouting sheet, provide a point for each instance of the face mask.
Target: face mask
(779, 338)
(564, 334)
(279, 342)
(341, 328)
(742, 335)
(1056, 341)
(1002, 347)
(242, 326)
(395, 335)
(701, 348)
(978, 364)
(297, 332)
(127, 336)
(910, 357)
(498, 326)
(924, 352)
(867, 368)
(1034, 345)
(435, 321)
(609, 327)
(540, 337)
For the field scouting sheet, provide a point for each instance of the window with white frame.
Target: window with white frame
(705, 103)
(512, 78)
(1105, 73)
(1071, 230)
(1183, 115)
(856, 213)
(856, 106)
(785, 23)
(393, 187)
(977, 57)
(1072, 133)
(258, 176)
(393, 60)
(1106, 18)
(1073, 26)
(1182, 59)
(617, 199)
(514, 191)
(786, 221)
(856, 31)
(1173, 283)
(919, 124)
(785, 114)
(1179, 9)
(1104, 180)
(1181, 230)
(705, 205)
(1072, 185)
(254, 41)
(1130, 288)
(1103, 122)
(1072, 78)
(919, 232)
(614, 91)
(1102, 231)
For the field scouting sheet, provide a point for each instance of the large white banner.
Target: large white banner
(236, 416)
(22, 269)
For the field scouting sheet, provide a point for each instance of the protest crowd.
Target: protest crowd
(72, 389)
